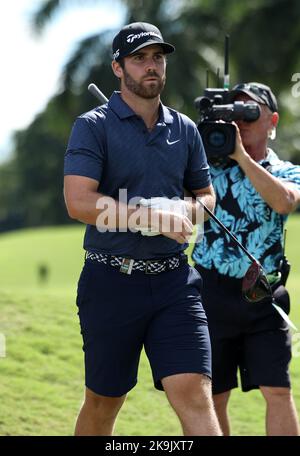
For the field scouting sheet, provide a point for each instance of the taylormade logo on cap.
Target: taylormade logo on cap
(131, 38)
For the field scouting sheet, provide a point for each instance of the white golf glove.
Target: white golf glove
(176, 206)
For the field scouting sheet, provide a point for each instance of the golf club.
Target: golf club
(212, 215)
(255, 285)
(94, 90)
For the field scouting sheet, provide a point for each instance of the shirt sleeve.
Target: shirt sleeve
(289, 173)
(197, 174)
(85, 153)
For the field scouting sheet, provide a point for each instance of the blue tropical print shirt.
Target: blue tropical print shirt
(243, 211)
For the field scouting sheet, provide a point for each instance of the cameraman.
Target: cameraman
(255, 192)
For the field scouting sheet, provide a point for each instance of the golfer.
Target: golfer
(136, 289)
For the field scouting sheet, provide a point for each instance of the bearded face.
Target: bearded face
(144, 72)
(149, 86)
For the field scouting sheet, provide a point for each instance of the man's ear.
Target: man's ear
(117, 69)
(275, 119)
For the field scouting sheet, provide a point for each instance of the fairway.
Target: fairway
(41, 377)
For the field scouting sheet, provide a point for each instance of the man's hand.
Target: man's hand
(167, 217)
(283, 197)
(239, 150)
(172, 225)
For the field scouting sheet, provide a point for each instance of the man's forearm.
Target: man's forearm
(103, 211)
(276, 194)
(108, 214)
(195, 208)
(209, 201)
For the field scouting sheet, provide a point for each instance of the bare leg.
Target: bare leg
(281, 415)
(190, 396)
(220, 402)
(98, 414)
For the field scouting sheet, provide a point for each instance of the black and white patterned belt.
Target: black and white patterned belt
(127, 265)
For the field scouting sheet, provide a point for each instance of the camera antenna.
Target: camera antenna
(226, 63)
(218, 77)
(207, 78)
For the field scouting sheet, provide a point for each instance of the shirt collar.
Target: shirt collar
(120, 107)
(123, 111)
(270, 159)
(165, 115)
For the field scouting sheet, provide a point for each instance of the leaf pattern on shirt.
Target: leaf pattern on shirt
(232, 263)
(268, 263)
(227, 220)
(221, 185)
(243, 211)
(240, 226)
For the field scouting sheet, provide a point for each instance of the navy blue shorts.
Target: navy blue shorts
(120, 314)
(251, 338)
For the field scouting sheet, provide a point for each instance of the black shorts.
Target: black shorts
(249, 337)
(120, 314)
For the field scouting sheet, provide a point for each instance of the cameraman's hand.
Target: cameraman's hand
(239, 151)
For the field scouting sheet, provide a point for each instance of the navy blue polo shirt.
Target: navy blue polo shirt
(112, 145)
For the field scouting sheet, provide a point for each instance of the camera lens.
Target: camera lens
(216, 138)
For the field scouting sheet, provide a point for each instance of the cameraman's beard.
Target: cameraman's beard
(149, 91)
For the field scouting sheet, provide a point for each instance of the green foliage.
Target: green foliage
(11, 211)
(48, 9)
(264, 46)
(39, 177)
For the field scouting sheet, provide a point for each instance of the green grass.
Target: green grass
(41, 378)
(60, 248)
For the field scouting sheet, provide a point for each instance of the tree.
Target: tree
(264, 33)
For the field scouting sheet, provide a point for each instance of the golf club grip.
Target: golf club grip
(229, 233)
(97, 93)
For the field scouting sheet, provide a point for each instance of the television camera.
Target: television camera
(217, 112)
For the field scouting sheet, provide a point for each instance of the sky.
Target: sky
(23, 95)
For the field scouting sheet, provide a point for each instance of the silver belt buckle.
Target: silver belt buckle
(126, 266)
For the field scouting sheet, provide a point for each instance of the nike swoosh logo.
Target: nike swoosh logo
(172, 142)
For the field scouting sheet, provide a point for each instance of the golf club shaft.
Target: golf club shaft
(98, 94)
(229, 233)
